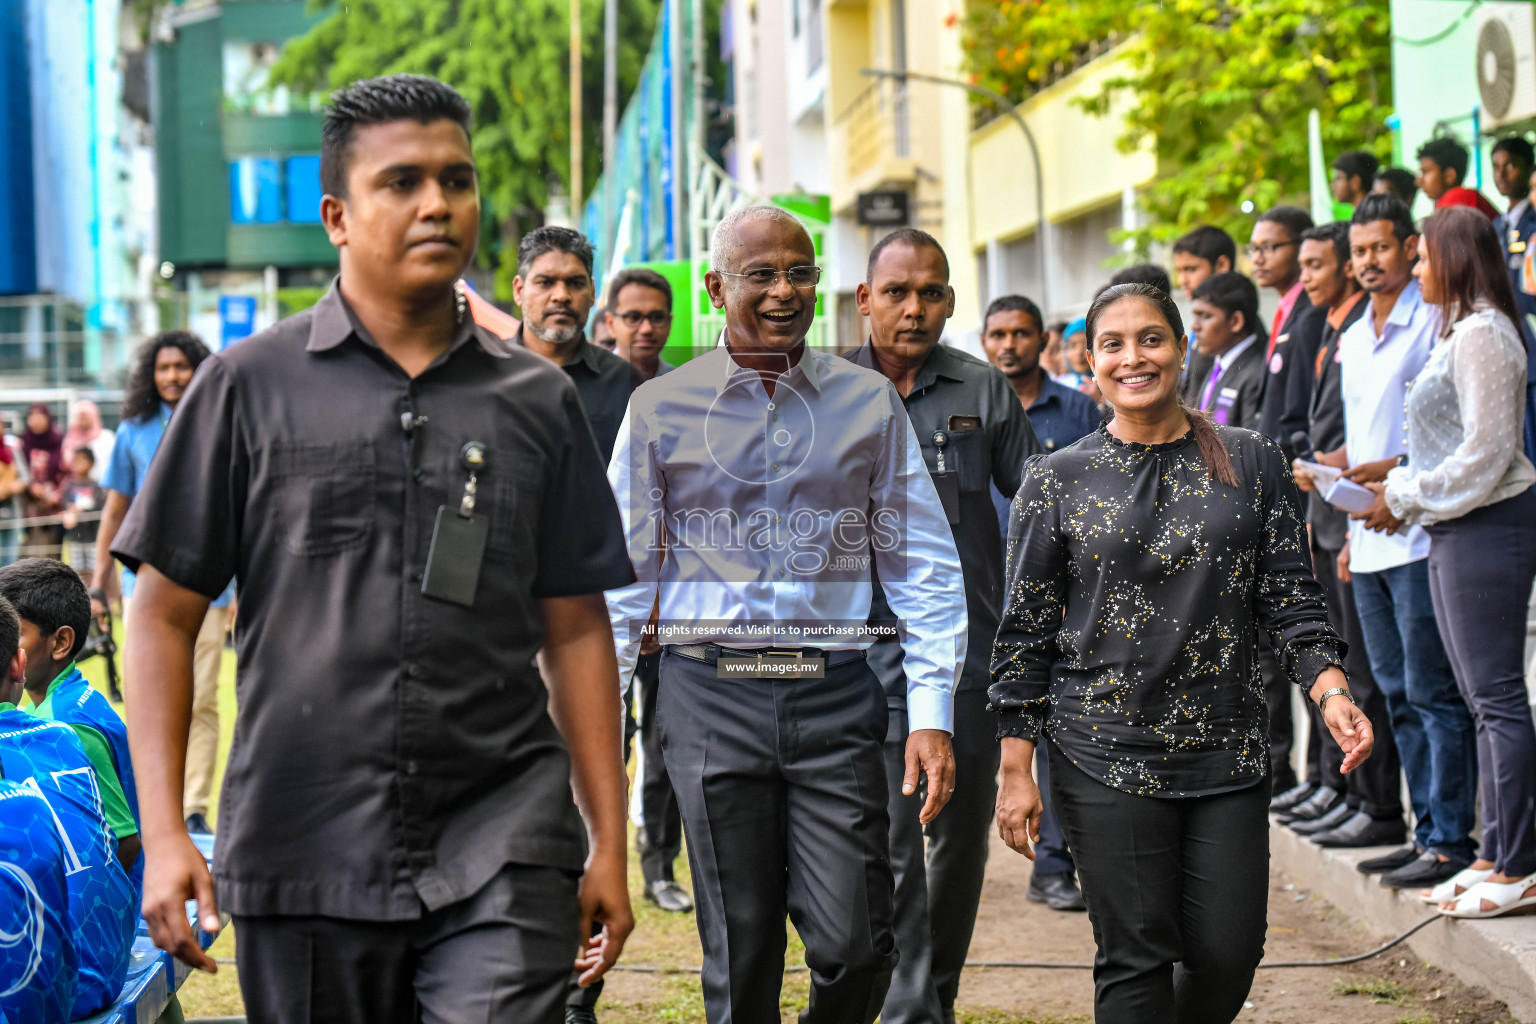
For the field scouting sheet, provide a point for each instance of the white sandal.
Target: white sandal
(1454, 886)
(1505, 896)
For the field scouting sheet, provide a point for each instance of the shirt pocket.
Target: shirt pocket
(326, 495)
(517, 490)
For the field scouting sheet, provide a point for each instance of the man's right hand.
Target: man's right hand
(1370, 472)
(1303, 478)
(174, 872)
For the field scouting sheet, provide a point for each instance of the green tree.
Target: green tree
(510, 59)
(1221, 88)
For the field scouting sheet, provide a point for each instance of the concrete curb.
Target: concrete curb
(1498, 955)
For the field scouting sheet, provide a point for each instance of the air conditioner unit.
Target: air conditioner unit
(1506, 62)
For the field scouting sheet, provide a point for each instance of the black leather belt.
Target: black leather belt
(711, 653)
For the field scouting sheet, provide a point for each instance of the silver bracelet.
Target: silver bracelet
(1337, 691)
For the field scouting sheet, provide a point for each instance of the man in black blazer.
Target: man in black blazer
(1288, 357)
(1224, 315)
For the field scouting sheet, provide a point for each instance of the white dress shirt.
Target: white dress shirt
(1466, 418)
(775, 511)
(1376, 372)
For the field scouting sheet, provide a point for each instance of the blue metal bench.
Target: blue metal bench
(153, 975)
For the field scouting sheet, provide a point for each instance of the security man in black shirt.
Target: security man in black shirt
(423, 533)
(973, 432)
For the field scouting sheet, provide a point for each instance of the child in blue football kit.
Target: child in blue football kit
(55, 613)
(48, 758)
(37, 947)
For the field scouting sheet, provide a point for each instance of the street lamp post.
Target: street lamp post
(1007, 107)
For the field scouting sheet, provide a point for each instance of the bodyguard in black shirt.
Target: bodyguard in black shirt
(556, 291)
(1142, 559)
(423, 532)
(973, 431)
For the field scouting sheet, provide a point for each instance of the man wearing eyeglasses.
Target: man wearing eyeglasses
(1284, 411)
(780, 480)
(639, 316)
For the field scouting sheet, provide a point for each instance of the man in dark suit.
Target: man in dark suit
(1513, 160)
(1224, 315)
(1275, 251)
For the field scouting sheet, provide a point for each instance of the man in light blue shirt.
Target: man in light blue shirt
(1379, 357)
(163, 372)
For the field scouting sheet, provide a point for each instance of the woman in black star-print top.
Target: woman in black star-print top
(1141, 560)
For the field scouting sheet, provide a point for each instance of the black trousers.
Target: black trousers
(1177, 891)
(663, 829)
(1480, 570)
(504, 954)
(1376, 786)
(939, 891)
(782, 789)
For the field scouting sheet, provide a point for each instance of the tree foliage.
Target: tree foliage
(509, 58)
(1221, 88)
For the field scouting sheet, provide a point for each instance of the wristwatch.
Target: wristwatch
(1337, 691)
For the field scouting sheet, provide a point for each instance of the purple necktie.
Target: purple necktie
(1210, 387)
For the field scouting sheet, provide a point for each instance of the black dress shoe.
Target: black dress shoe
(1056, 891)
(1313, 807)
(198, 825)
(1332, 820)
(1424, 873)
(669, 896)
(1291, 797)
(1361, 830)
(1389, 862)
(579, 1015)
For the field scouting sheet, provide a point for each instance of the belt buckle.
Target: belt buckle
(775, 653)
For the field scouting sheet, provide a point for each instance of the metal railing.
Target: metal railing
(874, 128)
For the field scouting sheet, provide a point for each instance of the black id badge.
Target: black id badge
(458, 540)
(453, 562)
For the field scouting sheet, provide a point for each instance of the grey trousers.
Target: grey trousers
(1480, 570)
(783, 798)
(504, 954)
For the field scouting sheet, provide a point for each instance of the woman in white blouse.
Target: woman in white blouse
(1467, 482)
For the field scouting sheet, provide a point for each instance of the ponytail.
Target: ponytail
(1218, 461)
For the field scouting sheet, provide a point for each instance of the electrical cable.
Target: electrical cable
(1443, 33)
(1032, 965)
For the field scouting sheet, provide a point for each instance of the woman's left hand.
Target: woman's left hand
(1350, 728)
(1379, 517)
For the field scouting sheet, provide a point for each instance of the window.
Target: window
(304, 191)
(271, 190)
(255, 190)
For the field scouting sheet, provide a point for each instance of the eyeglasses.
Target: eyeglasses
(765, 278)
(1267, 250)
(634, 318)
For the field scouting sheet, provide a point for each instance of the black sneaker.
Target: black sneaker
(1359, 831)
(1425, 872)
(198, 825)
(669, 896)
(1389, 862)
(1332, 820)
(1291, 797)
(1313, 807)
(1056, 891)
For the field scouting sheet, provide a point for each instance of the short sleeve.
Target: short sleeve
(186, 521)
(114, 803)
(581, 539)
(122, 476)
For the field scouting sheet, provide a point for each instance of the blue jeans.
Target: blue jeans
(1430, 722)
